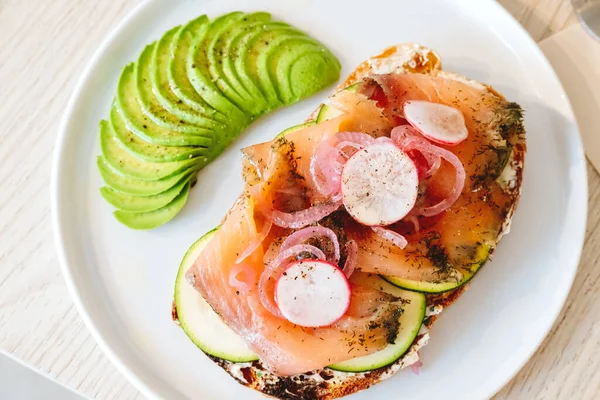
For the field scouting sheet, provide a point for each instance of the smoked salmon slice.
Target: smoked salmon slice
(286, 349)
(281, 183)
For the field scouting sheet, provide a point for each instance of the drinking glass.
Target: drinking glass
(588, 12)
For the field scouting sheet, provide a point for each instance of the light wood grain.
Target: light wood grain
(44, 45)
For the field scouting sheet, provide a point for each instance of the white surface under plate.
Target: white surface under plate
(122, 280)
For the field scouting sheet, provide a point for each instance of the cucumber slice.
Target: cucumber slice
(206, 329)
(152, 219)
(410, 324)
(328, 112)
(198, 320)
(465, 275)
(295, 128)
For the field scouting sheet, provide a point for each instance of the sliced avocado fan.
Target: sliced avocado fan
(189, 95)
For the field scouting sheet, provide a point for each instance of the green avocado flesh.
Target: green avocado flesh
(136, 187)
(139, 204)
(154, 218)
(148, 151)
(208, 331)
(128, 164)
(189, 95)
(166, 95)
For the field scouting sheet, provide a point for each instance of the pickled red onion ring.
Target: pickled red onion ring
(404, 136)
(416, 366)
(413, 220)
(325, 169)
(459, 182)
(361, 139)
(275, 266)
(342, 145)
(351, 258)
(390, 235)
(327, 161)
(256, 241)
(300, 219)
(303, 235)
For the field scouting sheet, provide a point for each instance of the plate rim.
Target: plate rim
(57, 212)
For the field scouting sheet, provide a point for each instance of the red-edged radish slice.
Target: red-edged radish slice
(312, 293)
(379, 184)
(437, 122)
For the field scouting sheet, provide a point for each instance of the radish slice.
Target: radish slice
(273, 269)
(437, 122)
(300, 219)
(379, 184)
(312, 293)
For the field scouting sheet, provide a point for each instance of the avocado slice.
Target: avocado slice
(217, 54)
(231, 47)
(148, 151)
(135, 118)
(177, 74)
(310, 72)
(258, 58)
(159, 71)
(197, 71)
(213, 47)
(129, 203)
(189, 95)
(136, 187)
(128, 164)
(298, 66)
(244, 66)
(150, 104)
(152, 219)
(252, 47)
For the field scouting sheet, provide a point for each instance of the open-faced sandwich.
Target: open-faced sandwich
(355, 230)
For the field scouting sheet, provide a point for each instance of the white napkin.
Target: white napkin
(575, 56)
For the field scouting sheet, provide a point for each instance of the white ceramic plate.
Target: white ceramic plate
(122, 280)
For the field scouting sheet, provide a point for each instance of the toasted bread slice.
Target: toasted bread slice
(327, 383)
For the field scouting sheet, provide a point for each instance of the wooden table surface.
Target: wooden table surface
(44, 45)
